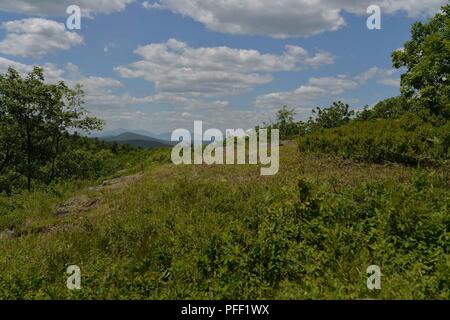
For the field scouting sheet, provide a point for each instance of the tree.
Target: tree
(426, 57)
(22, 101)
(335, 116)
(65, 112)
(385, 109)
(285, 122)
(33, 118)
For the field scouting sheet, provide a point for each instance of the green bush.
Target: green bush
(320, 247)
(409, 140)
(226, 233)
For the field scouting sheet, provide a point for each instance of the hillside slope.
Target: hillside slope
(225, 232)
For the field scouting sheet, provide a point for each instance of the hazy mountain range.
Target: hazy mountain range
(143, 138)
(117, 132)
(137, 138)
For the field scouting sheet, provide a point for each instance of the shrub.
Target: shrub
(409, 140)
(319, 246)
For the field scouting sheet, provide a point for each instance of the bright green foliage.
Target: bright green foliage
(386, 109)
(408, 140)
(316, 248)
(426, 57)
(34, 118)
(227, 233)
(335, 116)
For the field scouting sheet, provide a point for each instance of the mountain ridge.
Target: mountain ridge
(138, 140)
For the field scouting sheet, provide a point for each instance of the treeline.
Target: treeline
(38, 139)
(413, 128)
(389, 132)
(335, 116)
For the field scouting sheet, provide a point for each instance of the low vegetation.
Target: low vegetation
(354, 189)
(408, 140)
(222, 232)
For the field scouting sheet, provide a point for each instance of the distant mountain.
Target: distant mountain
(138, 140)
(163, 136)
(118, 132)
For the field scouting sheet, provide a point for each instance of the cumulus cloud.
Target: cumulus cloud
(102, 93)
(58, 8)
(99, 91)
(175, 67)
(51, 71)
(284, 18)
(168, 120)
(35, 37)
(390, 82)
(20, 67)
(104, 100)
(388, 77)
(306, 94)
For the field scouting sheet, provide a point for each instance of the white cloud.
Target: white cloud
(20, 67)
(278, 19)
(390, 82)
(307, 95)
(367, 75)
(149, 5)
(100, 91)
(304, 96)
(96, 88)
(413, 8)
(51, 71)
(58, 8)
(104, 101)
(333, 85)
(388, 77)
(168, 120)
(284, 18)
(35, 37)
(177, 68)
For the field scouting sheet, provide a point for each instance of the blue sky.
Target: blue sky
(231, 63)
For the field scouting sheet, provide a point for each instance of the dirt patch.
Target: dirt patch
(117, 183)
(7, 234)
(85, 203)
(77, 205)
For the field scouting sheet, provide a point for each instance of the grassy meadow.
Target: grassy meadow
(225, 232)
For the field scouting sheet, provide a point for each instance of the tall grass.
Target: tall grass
(225, 232)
